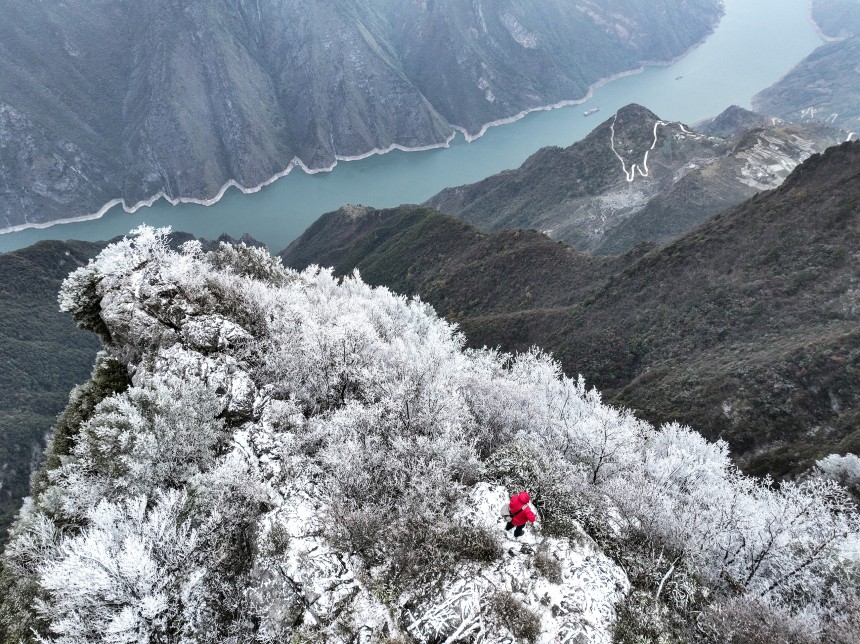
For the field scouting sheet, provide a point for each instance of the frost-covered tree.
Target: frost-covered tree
(158, 436)
(129, 576)
(289, 450)
(845, 470)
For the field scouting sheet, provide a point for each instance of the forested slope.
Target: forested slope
(43, 355)
(745, 328)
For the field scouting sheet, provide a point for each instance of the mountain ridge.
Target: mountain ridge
(744, 327)
(668, 178)
(267, 455)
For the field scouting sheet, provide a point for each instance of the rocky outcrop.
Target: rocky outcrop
(571, 595)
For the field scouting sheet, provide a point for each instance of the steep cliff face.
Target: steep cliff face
(105, 100)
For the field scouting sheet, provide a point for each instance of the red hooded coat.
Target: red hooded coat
(521, 513)
(518, 501)
(526, 516)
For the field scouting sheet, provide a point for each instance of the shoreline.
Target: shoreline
(818, 29)
(297, 162)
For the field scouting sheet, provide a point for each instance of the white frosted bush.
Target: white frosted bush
(260, 392)
(842, 469)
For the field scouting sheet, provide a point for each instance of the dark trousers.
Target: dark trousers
(518, 532)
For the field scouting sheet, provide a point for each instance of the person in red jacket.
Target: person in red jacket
(521, 513)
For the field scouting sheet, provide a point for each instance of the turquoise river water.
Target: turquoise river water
(755, 44)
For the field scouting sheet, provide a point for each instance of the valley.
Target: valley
(156, 100)
(715, 75)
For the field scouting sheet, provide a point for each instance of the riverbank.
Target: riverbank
(715, 75)
(296, 162)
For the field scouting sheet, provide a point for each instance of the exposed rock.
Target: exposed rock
(210, 333)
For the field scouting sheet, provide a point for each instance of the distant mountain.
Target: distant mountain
(746, 328)
(733, 121)
(461, 270)
(825, 86)
(105, 100)
(837, 18)
(638, 178)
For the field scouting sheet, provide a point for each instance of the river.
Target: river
(755, 44)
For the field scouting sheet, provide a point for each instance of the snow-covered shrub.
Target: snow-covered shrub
(129, 576)
(643, 620)
(109, 377)
(474, 543)
(247, 261)
(147, 438)
(80, 298)
(160, 435)
(300, 454)
(516, 617)
(547, 565)
(845, 470)
(750, 621)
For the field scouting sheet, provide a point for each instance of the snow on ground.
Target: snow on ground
(578, 607)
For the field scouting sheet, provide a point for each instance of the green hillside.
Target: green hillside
(43, 355)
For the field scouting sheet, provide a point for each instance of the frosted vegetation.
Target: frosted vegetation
(265, 421)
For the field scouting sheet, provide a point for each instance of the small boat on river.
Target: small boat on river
(591, 111)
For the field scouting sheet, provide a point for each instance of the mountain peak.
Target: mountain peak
(634, 111)
(632, 115)
(353, 211)
(732, 121)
